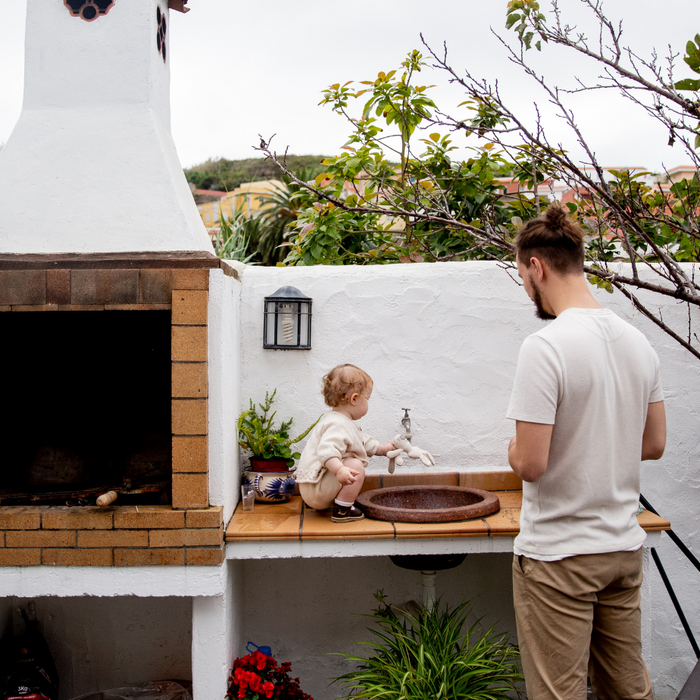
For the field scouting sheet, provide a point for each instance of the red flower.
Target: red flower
(256, 675)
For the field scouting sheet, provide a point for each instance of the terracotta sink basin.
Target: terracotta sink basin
(427, 504)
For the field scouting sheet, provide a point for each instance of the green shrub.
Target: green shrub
(433, 656)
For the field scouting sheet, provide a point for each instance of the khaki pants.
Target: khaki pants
(580, 616)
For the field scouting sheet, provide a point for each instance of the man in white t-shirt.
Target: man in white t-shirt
(588, 407)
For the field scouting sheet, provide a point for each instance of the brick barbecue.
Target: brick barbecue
(185, 530)
(96, 216)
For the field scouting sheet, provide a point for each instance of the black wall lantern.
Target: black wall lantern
(287, 320)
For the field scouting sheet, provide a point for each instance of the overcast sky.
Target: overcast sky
(240, 69)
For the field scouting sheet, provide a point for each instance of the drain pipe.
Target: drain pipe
(428, 589)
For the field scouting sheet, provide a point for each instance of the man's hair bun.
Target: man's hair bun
(555, 216)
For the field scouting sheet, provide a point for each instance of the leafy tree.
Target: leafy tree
(378, 202)
(431, 207)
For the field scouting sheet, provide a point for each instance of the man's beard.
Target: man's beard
(537, 300)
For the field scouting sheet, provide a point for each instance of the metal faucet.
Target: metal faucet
(406, 422)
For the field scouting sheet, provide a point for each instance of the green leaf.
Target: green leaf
(512, 19)
(688, 84)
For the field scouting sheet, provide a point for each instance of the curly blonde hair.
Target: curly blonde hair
(343, 381)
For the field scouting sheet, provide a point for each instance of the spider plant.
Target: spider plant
(433, 656)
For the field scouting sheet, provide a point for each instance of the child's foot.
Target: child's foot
(346, 514)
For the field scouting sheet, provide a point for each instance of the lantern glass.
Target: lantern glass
(287, 323)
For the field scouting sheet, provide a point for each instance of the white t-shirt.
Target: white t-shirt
(592, 376)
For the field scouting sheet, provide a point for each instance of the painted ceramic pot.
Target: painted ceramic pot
(272, 487)
(258, 464)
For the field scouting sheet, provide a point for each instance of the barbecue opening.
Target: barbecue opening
(85, 407)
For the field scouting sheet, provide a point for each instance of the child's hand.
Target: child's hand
(346, 476)
(383, 449)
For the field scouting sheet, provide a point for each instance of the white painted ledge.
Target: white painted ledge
(378, 547)
(142, 581)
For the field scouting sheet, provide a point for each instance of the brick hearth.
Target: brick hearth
(188, 532)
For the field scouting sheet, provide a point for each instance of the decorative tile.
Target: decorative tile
(464, 528)
(510, 499)
(317, 525)
(504, 523)
(260, 525)
(651, 522)
(491, 481)
(436, 479)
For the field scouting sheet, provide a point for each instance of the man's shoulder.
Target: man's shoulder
(584, 330)
(574, 321)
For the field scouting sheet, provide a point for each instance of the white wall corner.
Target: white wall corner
(224, 390)
(213, 638)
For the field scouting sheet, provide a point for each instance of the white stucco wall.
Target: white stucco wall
(91, 165)
(224, 390)
(443, 340)
(103, 643)
(308, 610)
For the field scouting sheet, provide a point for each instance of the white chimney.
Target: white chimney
(91, 165)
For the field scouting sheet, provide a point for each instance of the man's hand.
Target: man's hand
(528, 452)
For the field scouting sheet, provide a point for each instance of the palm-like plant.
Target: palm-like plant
(281, 208)
(433, 656)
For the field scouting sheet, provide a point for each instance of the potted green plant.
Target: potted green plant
(433, 654)
(272, 460)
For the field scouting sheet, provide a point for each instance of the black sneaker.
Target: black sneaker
(346, 514)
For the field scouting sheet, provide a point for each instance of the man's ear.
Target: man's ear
(540, 268)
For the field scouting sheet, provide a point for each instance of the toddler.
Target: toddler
(331, 469)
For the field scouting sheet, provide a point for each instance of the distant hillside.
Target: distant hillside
(226, 175)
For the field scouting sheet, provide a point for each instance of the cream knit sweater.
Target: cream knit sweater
(336, 435)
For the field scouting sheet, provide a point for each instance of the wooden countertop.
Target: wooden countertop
(293, 520)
